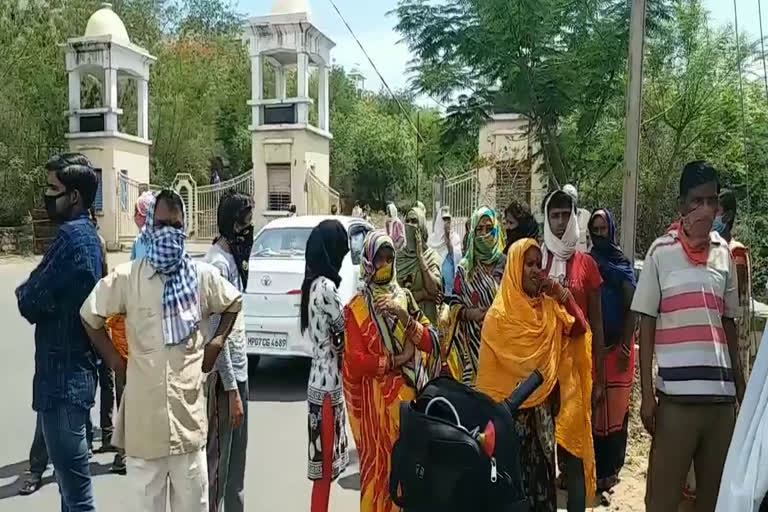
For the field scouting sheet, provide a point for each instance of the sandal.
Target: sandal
(31, 486)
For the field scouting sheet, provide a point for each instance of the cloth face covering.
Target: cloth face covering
(240, 245)
(181, 295)
(561, 249)
(491, 248)
(438, 241)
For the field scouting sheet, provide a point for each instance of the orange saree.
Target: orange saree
(373, 395)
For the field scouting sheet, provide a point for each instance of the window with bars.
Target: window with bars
(278, 187)
(98, 200)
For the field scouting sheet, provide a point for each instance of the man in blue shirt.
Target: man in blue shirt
(65, 363)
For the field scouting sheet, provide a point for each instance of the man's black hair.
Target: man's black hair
(557, 199)
(75, 172)
(172, 199)
(292, 208)
(728, 201)
(697, 173)
(519, 210)
(233, 207)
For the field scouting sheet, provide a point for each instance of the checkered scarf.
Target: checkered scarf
(181, 296)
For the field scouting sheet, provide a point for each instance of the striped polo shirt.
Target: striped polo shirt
(689, 302)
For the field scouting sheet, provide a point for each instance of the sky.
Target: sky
(375, 29)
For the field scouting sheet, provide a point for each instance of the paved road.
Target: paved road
(276, 474)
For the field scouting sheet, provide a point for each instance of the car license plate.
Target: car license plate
(272, 340)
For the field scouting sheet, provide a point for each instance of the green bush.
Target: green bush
(19, 187)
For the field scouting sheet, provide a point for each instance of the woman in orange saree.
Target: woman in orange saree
(391, 351)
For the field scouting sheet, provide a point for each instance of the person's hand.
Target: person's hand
(741, 389)
(387, 305)
(648, 414)
(121, 369)
(624, 357)
(419, 242)
(475, 314)
(547, 285)
(235, 409)
(598, 395)
(406, 355)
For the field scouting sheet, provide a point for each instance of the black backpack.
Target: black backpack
(439, 464)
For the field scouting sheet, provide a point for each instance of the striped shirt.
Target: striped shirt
(689, 302)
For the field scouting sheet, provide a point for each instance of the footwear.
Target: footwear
(118, 465)
(31, 486)
(107, 448)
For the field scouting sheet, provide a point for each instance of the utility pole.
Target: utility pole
(633, 120)
(418, 173)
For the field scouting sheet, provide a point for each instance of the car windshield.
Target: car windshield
(281, 242)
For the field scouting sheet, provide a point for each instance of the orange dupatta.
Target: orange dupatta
(522, 334)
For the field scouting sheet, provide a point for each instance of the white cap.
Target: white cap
(571, 191)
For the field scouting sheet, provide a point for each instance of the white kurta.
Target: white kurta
(745, 477)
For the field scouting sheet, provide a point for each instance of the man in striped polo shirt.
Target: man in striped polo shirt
(687, 297)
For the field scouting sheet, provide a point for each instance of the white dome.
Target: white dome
(105, 22)
(290, 7)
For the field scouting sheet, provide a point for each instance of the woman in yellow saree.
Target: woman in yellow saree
(534, 324)
(391, 351)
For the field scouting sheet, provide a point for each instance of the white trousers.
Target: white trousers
(186, 475)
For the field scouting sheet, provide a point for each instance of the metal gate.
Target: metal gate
(320, 196)
(200, 203)
(128, 194)
(206, 204)
(462, 195)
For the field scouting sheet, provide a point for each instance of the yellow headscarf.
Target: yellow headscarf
(522, 334)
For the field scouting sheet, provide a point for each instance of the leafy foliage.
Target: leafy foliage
(546, 59)
(199, 89)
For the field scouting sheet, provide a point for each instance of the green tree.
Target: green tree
(546, 59)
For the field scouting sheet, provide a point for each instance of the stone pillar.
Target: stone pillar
(110, 99)
(142, 100)
(74, 101)
(302, 81)
(257, 88)
(280, 92)
(322, 99)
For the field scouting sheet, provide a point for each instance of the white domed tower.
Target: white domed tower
(288, 140)
(104, 55)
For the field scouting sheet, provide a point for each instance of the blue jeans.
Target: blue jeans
(64, 432)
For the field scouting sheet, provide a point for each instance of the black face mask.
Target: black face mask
(240, 245)
(50, 206)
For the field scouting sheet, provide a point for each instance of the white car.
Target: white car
(275, 273)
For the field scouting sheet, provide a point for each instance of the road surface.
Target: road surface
(277, 438)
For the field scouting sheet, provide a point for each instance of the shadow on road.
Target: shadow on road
(350, 480)
(18, 469)
(278, 380)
